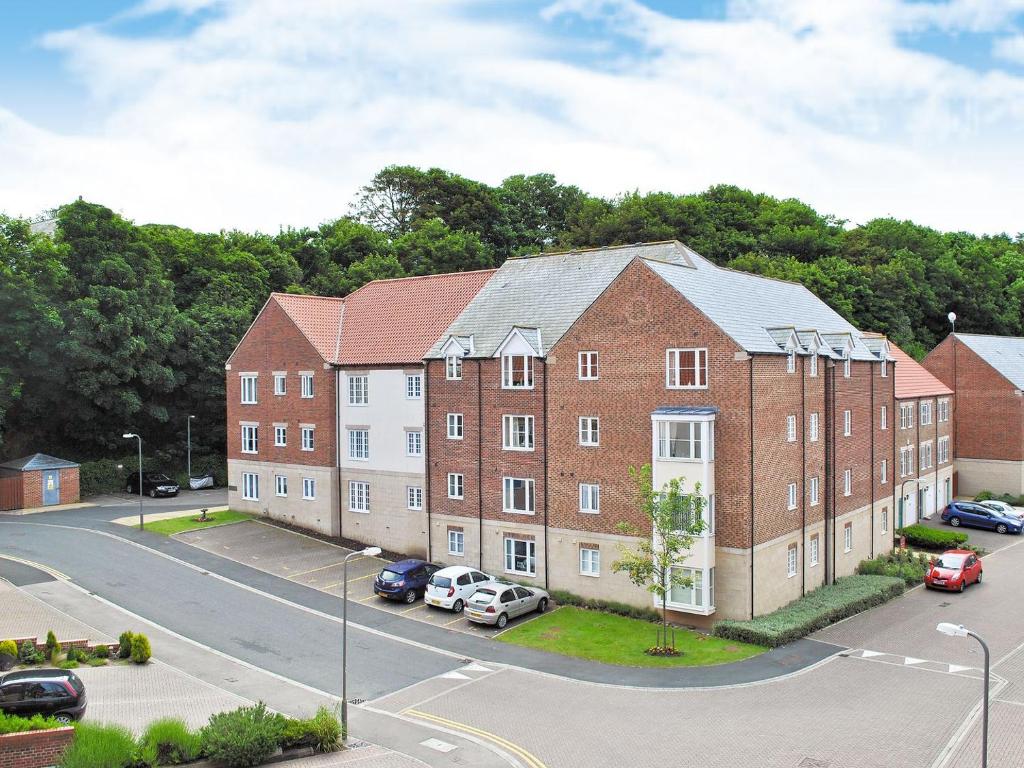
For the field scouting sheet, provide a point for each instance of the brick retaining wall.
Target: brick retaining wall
(34, 749)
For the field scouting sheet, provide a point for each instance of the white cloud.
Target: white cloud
(272, 112)
(1010, 49)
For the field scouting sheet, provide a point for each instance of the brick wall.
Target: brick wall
(34, 749)
(69, 493)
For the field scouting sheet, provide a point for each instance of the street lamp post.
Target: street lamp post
(188, 449)
(368, 552)
(959, 630)
(129, 436)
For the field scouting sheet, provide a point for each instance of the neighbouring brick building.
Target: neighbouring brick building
(567, 369)
(987, 376)
(38, 481)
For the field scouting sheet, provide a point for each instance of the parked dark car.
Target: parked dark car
(973, 515)
(405, 580)
(153, 483)
(57, 693)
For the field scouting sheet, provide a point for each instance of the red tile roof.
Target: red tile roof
(317, 317)
(912, 380)
(397, 321)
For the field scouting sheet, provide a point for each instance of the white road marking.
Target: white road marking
(453, 675)
(437, 744)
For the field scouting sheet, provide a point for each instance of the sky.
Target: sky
(259, 114)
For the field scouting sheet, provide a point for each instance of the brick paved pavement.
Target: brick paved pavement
(24, 616)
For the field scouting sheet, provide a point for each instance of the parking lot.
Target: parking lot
(318, 564)
(990, 540)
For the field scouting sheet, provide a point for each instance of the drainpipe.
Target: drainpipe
(895, 464)
(480, 461)
(751, 385)
(544, 412)
(871, 474)
(803, 477)
(426, 456)
(337, 451)
(830, 382)
(935, 454)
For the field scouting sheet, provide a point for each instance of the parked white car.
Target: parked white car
(1002, 507)
(451, 587)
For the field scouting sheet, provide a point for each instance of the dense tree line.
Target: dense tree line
(111, 326)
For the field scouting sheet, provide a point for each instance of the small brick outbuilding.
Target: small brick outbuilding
(38, 481)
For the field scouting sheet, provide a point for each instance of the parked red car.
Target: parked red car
(954, 570)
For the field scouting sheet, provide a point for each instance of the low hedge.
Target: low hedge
(932, 538)
(826, 605)
(608, 606)
(15, 724)
(1007, 498)
(903, 564)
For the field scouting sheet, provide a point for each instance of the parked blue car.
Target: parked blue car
(405, 580)
(973, 515)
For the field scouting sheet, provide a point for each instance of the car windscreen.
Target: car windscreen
(76, 683)
(951, 562)
(440, 581)
(159, 478)
(387, 575)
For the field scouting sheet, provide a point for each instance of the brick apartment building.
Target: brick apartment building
(567, 369)
(987, 375)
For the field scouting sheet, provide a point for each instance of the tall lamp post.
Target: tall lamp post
(188, 442)
(129, 436)
(959, 630)
(956, 414)
(368, 552)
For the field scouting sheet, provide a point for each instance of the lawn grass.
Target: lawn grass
(181, 524)
(618, 640)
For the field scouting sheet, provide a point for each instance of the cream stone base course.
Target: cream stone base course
(389, 524)
(319, 514)
(977, 475)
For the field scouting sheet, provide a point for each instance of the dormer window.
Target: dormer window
(453, 368)
(516, 372)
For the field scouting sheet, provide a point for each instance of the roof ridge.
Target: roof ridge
(419, 277)
(593, 249)
(307, 296)
(991, 336)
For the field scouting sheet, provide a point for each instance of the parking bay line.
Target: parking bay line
(339, 583)
(321, 568)
(531, 760)
(414, 608)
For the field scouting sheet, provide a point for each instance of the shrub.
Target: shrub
(124, 645)
(825, 605)
(66, 664)
(101, 652)
(100, 746)
(325, 730)
(140, 649)
(15, 724)
(932, 538)
(296, 733)
(27, 652)
(97, 662)
(168, 742)
(75, 655)
(905, 565)
(243, 737)
(9, 647)
(607, 606)
(52, 646)
(983, 496)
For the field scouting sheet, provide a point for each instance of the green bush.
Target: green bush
(103, 476)
(15, 724)
(66, 664)
(905, 565)
(607, 606)
(100, 746)
(932, 538)
(97, 662)
(168, 742)
(983, 496)
(51, 643)
(101, 652)
(1009, 498)
(140, 649)
(75, 655)
(124, 645)
(322, 732)
(9, 647)
(243, 737)
(27, 653)
(825, 605)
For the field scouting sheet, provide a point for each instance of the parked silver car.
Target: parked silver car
(497, 602)
(1002, 507)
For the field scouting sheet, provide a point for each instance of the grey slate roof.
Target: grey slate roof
(1004, 353)
(37, 461)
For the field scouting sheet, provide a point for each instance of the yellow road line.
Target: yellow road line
(414, 608)
(530, 759)
(339, 583)
(52, 571)
(457, 618)
(366, 599)
(321, 568)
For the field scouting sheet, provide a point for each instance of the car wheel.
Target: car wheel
(962, 585)
(63, 718)
(980, 574)
(152, 494)
(502, 621)
(459, 605)
(955, 522)
(409, 597)
(542, 605)
(1001, 528)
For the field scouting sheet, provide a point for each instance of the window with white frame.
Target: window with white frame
(414, 497)
(456, 542)
(847, 423)
(884, 418)
(679, 440)
(884, 471)
(693, 595)
(848, 537)
(906, 461)
(791, 362)
(885, 369)
(455, 485)
(814, 364)
(814, 491)
(358, 390)
(926, 412)
(791, 496)
(308, 488)
(306, 380)
(517, 495)
(590, 431)
(281, 485)
(250, 438)
(248, 390)
(846, 367)
(686, 368)
(906, 415)
(455, 426)
(358, 496)
(280, 384)
(517, 433)
(590, 561)
(280, 436)
(590, 498)
(885, 519)
(814, 427)
(588, 366)
(413, 386)
(250, 486)
(359, 444)
(943, 409)
(516, 372)
(792, 560)
(925, 461)
(791, 429)
(453, 367)
(813, 550)
(520, 556)
(943, 450)
(413, 443)
(307, 438)
(847, 482)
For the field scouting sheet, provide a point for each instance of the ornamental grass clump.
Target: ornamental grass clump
(100, 746)
(169, 741)
(15, 724)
